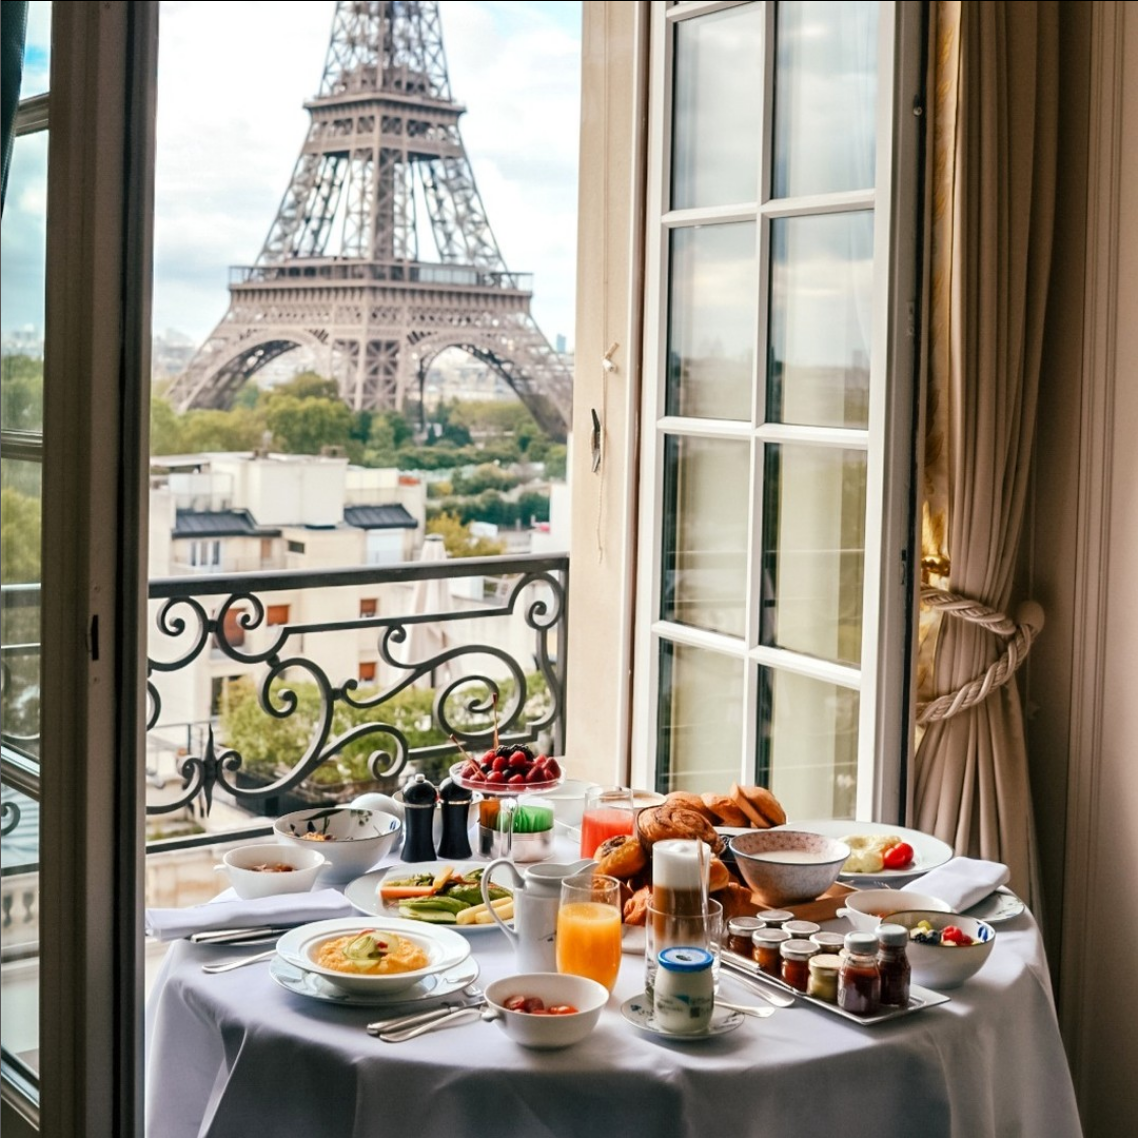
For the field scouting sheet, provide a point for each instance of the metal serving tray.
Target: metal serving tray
(920, 998)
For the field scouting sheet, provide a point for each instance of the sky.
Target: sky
(233, 77)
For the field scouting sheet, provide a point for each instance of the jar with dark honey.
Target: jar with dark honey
(859, 978)
(893, 964)
(765, 945)
(796, 962)
(739, 933)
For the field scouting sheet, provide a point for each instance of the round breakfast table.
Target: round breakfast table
(234, 1055)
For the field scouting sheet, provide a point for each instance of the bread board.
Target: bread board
(824, 908)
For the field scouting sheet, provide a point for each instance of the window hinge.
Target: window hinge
(93, 639)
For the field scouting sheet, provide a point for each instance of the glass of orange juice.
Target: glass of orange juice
(588, 928)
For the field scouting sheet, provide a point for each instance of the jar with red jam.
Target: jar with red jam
(739, 933)
(859, 978)
(796, 962)
(893, 964)
(765, 946)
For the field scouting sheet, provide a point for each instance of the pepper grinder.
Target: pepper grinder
(455, 803)
(419, 798)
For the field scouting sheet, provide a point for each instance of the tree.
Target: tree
(458, 540)
(19, 537)
(21, 391)
(307, 385)
(304, 426)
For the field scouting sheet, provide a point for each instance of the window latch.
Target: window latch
(595, 440)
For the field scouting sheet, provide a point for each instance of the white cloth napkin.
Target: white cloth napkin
(228, 911)
(962, 882)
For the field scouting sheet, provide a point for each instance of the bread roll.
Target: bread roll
(621, 856)
(694, 802)
(725, 812)
(673, 821)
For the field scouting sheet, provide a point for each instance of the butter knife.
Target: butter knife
(455, 1016)
(238, 936)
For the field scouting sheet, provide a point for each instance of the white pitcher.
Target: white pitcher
(537, 894)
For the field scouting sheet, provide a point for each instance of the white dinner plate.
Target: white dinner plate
(363, 893)
(928, 852)
(444, 948)
(315, 987)
(638, 1012)
(997, 907)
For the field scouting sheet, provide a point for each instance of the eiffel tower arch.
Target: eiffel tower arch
(341, 274)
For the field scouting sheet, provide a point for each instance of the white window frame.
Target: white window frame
(885, 677)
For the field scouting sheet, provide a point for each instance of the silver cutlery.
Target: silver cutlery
(746, 1009)
(467, 1014)
(239, 936)
(229, 965)
(752, 981)
(440, 1011)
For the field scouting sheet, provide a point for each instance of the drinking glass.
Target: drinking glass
(665, 929)
(588, 928)
(609, 811)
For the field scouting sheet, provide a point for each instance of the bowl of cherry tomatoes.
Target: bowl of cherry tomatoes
(546, 1010)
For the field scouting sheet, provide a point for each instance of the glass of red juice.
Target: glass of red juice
(609, 811)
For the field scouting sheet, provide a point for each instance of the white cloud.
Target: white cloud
(233, 77)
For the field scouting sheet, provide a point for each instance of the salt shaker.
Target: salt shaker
(455, 803)
(419, 798)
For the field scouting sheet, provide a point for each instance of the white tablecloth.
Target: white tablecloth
(233, 1056)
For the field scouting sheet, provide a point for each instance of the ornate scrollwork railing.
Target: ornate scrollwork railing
(233, 625)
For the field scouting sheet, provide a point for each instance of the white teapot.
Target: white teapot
(537, 894)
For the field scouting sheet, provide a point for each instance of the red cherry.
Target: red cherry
(501, 762)
(534, 1004)
(517, 779)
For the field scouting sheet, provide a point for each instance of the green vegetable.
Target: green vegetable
(431, 916)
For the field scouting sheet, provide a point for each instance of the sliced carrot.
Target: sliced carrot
(401, 892)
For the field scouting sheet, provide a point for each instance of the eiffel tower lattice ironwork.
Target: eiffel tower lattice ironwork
(341, 273)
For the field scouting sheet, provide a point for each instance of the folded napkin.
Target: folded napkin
(962, 882)
(228, 911)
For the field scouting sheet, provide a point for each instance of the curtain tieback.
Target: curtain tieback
(1020, 633)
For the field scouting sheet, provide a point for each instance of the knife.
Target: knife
(239, 936)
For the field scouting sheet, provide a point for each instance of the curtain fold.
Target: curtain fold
(13, 32)
(994, 167)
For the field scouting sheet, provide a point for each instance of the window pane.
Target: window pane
(808, 744)
(705, 534)
(23, 250)
(825, 97)
(20, 506)
(814, 551)
(712, 305)
(19, 926)
(717, 109)
(700, 719)
(37, 54)
(821, 314)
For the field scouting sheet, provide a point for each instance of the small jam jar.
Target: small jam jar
(823, 981)
(893, 964)
(801, 930)
(684, 995)
(830, 943)
(796, 956)
(739, 932)
(775, 918)
(859, 979)
(765, 945)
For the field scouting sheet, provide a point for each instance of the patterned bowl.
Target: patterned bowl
(786, 867)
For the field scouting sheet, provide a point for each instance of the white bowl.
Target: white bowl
(869, 907)
(568, 800)
(248, 882)
(542, 1032)
(444, 948)
(938, 966)
(351, 840)
(783, 880)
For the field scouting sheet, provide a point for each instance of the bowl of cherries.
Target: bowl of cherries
(508, 769)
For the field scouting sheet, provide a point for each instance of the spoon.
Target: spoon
(229, 965)
(746, 1009)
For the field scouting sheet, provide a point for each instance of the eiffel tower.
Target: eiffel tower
(341, 272)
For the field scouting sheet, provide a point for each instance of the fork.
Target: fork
(441, 1011)
(229, 965)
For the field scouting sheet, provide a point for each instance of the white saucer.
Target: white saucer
(997, 907)
(294, 979)
(638, 1012)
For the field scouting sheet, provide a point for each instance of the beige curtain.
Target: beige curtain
(994, 159)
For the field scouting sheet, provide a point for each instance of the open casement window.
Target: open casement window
(777, 417)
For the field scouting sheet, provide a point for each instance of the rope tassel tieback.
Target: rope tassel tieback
(1020, 634)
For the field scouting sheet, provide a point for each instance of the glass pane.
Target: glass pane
(19, 926)
(20, 511)
(808, 744)
(37, 53)
(23, 251)
(814, 551)
(717, 110)
(713, 298)
(825, 97)
(821, 315)
(699, 733)
(704, 555)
